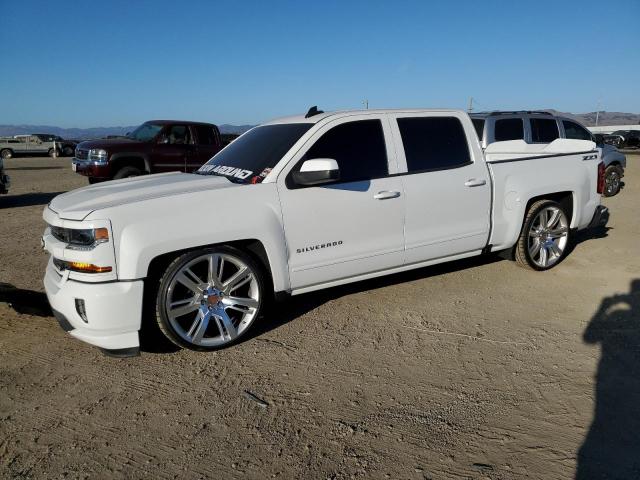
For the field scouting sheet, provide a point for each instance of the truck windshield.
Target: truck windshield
(145, 132)
(250, 158)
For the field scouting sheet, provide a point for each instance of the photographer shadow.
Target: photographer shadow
(611, 449)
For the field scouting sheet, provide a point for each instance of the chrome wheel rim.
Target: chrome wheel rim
(212, 299)
(548, 236)
(612, 182)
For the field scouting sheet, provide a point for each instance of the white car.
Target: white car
(301, 204)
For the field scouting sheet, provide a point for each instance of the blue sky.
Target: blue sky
(108, 63)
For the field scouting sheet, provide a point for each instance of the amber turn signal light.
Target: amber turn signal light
(87, 267)
(101, 235)
(81, 267)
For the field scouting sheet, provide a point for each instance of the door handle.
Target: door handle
(386, 194)
(473, 182)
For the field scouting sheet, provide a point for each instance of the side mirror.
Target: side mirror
(317, 171)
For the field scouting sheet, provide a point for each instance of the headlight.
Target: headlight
(80, 239)
(98, 155)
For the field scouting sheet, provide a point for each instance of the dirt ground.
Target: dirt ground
(474, 369)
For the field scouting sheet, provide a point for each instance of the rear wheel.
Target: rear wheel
(53, 152)
(612, 180)
(209, 298)
(545, 236)
(67, 151)
(126, 172)
(6, 154)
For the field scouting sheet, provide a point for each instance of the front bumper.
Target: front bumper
(113, 310)
(600, 217)
(90, 168)
(5, 183)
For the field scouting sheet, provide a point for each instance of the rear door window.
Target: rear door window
(544, 130)
(206, 135)
(575, 132)
(433, 143)
(508, 129)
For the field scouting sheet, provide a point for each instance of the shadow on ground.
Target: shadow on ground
(587, 234)
(27, 199)
(611, 449)
(293, 307)
(27, 302)
(35, 168)
(282, 312)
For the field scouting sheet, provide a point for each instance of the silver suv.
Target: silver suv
(545, 127)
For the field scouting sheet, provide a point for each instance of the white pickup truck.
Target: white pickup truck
(305, 203)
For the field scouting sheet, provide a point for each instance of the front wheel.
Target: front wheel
(209, 298)
(53, 152)
(6, 154)
(612, 180)
(126, 172)
(545, 236)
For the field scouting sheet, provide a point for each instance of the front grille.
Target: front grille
(82, 154)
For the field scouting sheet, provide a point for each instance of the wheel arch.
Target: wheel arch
(251, 246)
(512, 216)
(565, 199)
(120, 160)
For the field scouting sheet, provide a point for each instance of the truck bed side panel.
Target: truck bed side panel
(518, 181)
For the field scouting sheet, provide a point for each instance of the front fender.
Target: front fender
(614, 155)
(147, 229)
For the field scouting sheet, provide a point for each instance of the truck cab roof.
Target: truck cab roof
(345, 113)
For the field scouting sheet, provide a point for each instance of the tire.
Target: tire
(544, 238)
(126, 172)
(93, 180)
(6, 154)
(212, 314)
(52, 151)
(612, 180)
(67, 151)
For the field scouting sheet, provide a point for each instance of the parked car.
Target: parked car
(544, 127)
(5, 180)
(25, 145)
(301, 204)
(624, 138)
(65, 147)
(154, 147)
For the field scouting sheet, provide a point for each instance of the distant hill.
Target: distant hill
(588, 119)
(604, 118)
(97, 132)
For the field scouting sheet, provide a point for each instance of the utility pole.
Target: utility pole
(470, 104)
(597, 112)
(365, 102)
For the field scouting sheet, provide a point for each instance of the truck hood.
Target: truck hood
(78, 204)
(107, 143)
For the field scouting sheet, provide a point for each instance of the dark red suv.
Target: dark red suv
(155, 146)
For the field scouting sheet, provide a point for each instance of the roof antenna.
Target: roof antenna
(313, 111)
